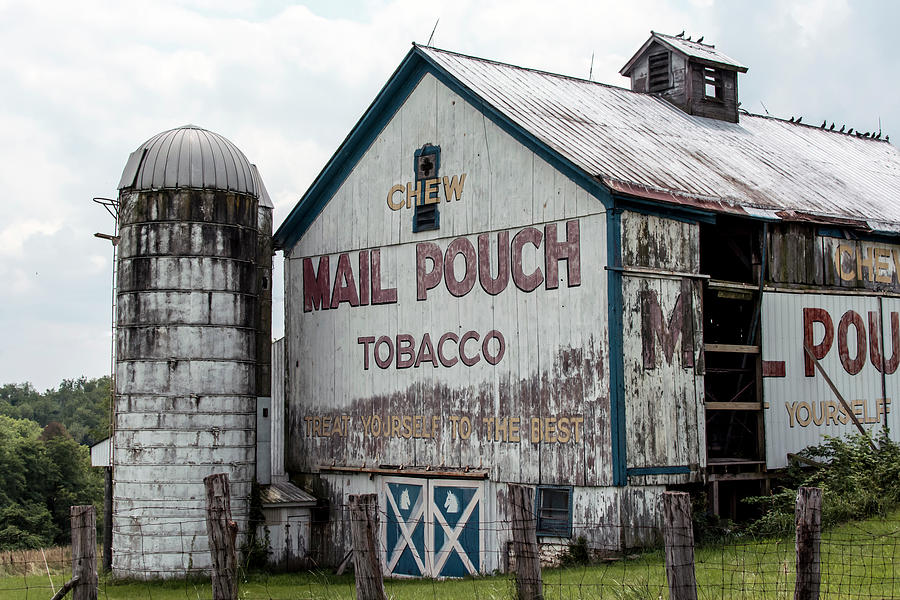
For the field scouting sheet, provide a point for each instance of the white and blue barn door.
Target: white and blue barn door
(456, 538)
(406, 502)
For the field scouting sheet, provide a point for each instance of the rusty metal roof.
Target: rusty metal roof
(189, 157)
(641, 145)
(706, 53)
(283, 492)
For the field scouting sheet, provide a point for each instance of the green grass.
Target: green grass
(859, 560)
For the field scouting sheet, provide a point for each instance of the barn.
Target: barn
(507, 276)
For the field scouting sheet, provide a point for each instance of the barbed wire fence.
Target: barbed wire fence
(857, 560)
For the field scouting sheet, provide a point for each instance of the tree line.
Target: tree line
(45, 458)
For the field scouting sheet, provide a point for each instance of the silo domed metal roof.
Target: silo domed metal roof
(189, 157)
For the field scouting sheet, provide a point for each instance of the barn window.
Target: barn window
(659, 67)
(712, 84)
(427, 163)
(554, 511)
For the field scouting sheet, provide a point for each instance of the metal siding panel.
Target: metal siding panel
(796, 402)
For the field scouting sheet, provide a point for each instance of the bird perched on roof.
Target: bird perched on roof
(841, 130)
(700, 40)
(878, 137)
(800, 118)
(681, 35)
(824, 123)
(887, 138)
(832, 127)
(792, 119)
(850, 131)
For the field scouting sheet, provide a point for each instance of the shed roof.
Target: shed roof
(285, 493)
(640, 145)
(706, 53)
(190, 157)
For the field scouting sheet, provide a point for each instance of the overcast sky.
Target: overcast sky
(84, 83)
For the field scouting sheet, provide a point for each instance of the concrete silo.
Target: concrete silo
(192, 345)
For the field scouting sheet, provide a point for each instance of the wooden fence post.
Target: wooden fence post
(366, 556)
(679, 537)
(84, 552)
(529, 585)
(808, 517)
(222, 533)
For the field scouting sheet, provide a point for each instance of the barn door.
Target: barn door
(404, 540)
(432, 528)
(456, 537)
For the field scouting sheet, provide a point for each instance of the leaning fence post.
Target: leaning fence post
(366, 555)
(222, 533)
(529, 585)
(679, 537)
(808, 517)
(84, 552)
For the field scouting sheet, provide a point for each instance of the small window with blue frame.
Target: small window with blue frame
(553, 505)
(427, 163)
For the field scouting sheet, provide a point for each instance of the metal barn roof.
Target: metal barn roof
(189, 157)
(641, 145)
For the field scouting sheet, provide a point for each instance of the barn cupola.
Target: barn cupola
(691, 75)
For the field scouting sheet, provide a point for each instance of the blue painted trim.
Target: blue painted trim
(395, 92)
(668, 211)
(855, 234)
(615, 303)
(355, 145)
(673, 470)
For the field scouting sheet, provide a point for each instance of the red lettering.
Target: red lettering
(365, 341)
(380, 295)
(891, 364)
(384, 364)
(364, 278)
(427, 279)
(526, 283)
(854, 365)
(405, 345)
(344, 284)
(447, 362)
(491, 285)
(569, 251)
(875, 341)
(468, 360)
(493, 334)
(315, 285)
(460, 287)
(811, 316)
(426, 352)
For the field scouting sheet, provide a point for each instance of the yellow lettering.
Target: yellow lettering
(866, 262)
(564, 433)
(413, 194)
(849, 250)
(454, 187)
(535, 429)
(390, 197)
(577, 421)
(882, 265)
(803, 421)
(791, 408)
(431, 191)
(514, 424)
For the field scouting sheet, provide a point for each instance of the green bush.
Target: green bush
(857, 481)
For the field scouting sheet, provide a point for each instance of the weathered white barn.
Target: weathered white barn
(505, 275)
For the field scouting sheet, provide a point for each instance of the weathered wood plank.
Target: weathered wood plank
(366, 554)
(808, 518)
(84, 552)
(222, 532)
(679, 539)
(529, 585)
